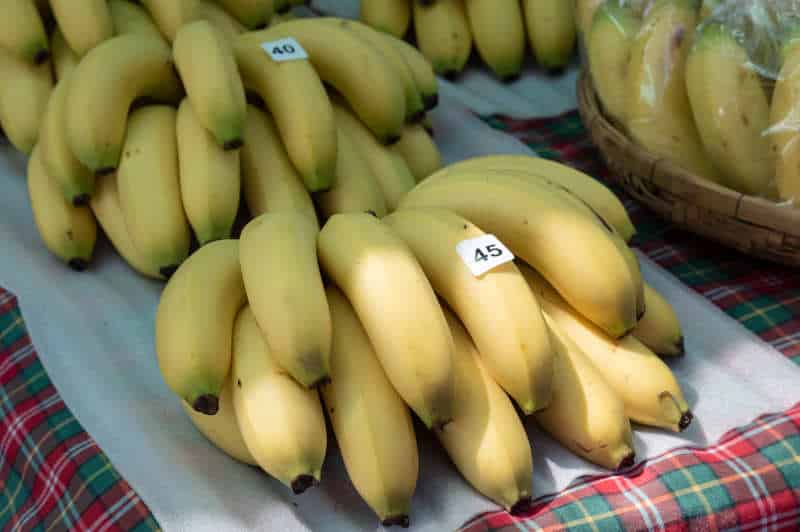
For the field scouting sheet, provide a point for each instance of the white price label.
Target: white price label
(483, 253)
(285, 50)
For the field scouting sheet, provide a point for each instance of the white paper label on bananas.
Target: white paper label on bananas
(285, 50)
(483, 254)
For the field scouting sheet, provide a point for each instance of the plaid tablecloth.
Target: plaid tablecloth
(53, 476)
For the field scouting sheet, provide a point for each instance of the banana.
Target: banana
(584, 15)
(279, 18)
(443, 35)
(105, 83)
(170, 15)
(77, 183)
(372, 424)
(213, 86)
(646, 385)
(22, 33)
(129, 17)
(296, 98)
(269, 181)
(281, 7)
(499, 33)
(193, 343)
(551, 31)
(658, 113)
(587, 189)
(359, 73)
(415, 106)
(585, 415)
(251, 14)
(281, 422)
(222, 429)
(486, 440)
(84, 23)
(389, 168)
(546, 231)
(608, 48)
(498, 309)
(288, 302)
(210, 182)
(421, 70)
(221, 19)
(419, 151)
(24, 93)
(107, 210)
(659, 328)
(63, 58)
(355, 188)
(398, 308)
(784, 130)
(149, 188)
(731, 110)
(68, 232)
(389, 16)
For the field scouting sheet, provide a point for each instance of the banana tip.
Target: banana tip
(207, 404)
(555, 71)
(302, 483)
(686, 420)
(680, 347)
(521, 506)
(80, 200)
(440, 425)
(41, 56)
(392, 139)
(397, 520)
(233, 144)
(79, 265)
(105, 170)
(319, 383)
(627, 461)
(417, 117)
(168, 271)
(510, 78)
(451, 74)
(431, 101)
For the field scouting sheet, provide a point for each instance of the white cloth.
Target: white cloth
(95, 336)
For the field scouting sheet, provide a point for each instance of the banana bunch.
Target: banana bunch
(708, 85)
(459, 305)
(501, 31)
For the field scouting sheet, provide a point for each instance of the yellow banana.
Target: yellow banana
(104, 85)
(486, 439)
(731, 110)
(84, 23)
(251, 14)
(194, 324)
(358, 72)
(499, 33)
(372, 424)
(389, 168)
(498, 309)
(608, 50)
(107, 210)
(288, 302)
(269, 181)
(24, 93)
(784, 120)
(210, 182)
(443, 35)
(170, 15)
(281, 422)
(658, 113)
(296, 98)
(419, 151)
(389, 16)
(551, 31)
(222, 429)
(77, 182)
(586, 415)
(221, 19)
(646, 385)
(535, 226)
(213, 85)
(22, 33)
(68, 232)
(63, 58)
(422, 71)
(149, 188)
(584, 15)
(129, 17)
(355, 188)
(396, 304)
(659, 328)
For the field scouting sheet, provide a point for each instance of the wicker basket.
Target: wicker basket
(751, 225)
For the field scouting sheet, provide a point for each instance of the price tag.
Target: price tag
(483, 253)
(284, 50)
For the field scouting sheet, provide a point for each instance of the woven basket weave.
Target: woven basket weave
(752, 225)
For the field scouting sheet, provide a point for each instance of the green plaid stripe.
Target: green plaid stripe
(53, 476)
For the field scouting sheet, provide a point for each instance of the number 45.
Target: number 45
(490, 251)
